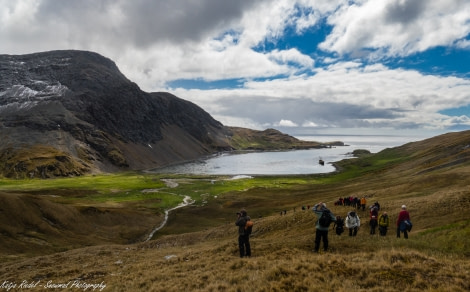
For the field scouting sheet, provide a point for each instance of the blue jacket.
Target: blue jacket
(318, 210)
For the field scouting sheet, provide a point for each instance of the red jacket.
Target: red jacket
(374, 214)
(404, 215)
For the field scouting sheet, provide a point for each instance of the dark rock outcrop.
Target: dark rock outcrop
(73, 112)
(79, 103)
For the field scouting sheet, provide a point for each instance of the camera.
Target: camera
(238, 213)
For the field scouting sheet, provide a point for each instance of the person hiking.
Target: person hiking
(243, 234)
(339, 225)
(374, 214)
(353, 223)
(384, 222)
(322, 227)
(363, 203)
(403, 217)
(377, 205)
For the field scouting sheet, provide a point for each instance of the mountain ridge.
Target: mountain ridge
(80, 105)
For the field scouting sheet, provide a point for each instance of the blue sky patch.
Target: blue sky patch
(206, 85)
(457, 112)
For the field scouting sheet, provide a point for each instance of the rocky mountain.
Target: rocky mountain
(73, 112)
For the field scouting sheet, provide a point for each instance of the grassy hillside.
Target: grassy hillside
(270, 139)
(197, 250)
(39, 161)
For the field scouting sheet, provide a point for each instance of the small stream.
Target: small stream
(186, 202)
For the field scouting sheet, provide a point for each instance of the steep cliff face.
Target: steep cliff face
(73, 112)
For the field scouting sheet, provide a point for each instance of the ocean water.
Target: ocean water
(289, 162)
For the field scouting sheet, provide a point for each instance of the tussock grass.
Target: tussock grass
(208, 261)
(197, 250)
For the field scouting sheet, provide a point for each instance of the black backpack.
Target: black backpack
(339, 222)
(325, 219)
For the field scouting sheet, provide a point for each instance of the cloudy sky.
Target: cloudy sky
(301, 66)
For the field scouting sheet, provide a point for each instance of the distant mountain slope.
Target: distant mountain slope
(271, 139)
(73, 112)
(437, 153)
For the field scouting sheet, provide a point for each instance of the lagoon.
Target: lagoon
(292, 162)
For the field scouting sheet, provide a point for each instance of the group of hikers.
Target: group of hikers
(354, 202)
(352, 222)
(325, 217)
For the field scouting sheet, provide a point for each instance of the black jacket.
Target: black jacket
(241, 222)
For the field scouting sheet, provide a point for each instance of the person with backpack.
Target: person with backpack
(384, 222)
(353, 223)
(339, 225)
(403, 222)
(363, 203)
(244, 231)
(325, 217)
(374, 214)
(377, 205)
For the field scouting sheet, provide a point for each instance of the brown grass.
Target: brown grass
(282, 258)
(36, 224)
(282, 261)
(434, 258)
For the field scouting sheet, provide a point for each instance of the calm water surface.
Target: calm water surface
(288, 162)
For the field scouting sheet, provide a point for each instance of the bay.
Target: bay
(289, 162)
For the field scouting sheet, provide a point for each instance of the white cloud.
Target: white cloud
(155, 42)
(397, 27)
(229, 56)
(286, 123)
(310, 124)
(307, 20)
(270, 24)
(291, 55)
(344, 95)
(463, 44)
